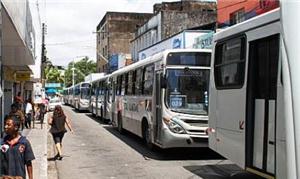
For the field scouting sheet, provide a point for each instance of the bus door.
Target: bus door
(262, 104)
(157, 123)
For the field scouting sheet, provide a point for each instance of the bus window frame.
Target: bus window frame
(243, 61)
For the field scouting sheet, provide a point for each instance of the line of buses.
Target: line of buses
(246, 86)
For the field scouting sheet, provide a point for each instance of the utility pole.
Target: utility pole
(43, 57)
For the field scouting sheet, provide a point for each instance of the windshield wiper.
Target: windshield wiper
(187, 69)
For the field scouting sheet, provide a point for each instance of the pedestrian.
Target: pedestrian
(42, 112)
(28, 114)
(19, 101)
(58, 130)
(16, 151)
(17, 113)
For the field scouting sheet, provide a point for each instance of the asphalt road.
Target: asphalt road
(96, 150)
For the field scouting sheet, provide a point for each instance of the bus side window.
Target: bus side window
(139, 83)
(133, 80)
(148, 79)
(230, 63)
(129, 83)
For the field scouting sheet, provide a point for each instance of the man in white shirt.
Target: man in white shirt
(28, 114)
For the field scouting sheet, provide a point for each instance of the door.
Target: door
(158, 107)
(261, 104)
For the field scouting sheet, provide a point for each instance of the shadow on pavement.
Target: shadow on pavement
(223, 171)
(136, 143)
(51, 159)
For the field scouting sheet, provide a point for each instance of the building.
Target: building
(114, 33)
(18, 51)
(233, 12)
(171, 18)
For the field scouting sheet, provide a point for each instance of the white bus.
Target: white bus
(65, 96)
(70, 97)
(100, 101)
(164, 98)
(81, 96)
(250, 109)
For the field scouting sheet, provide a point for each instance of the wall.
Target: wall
(190, 14)
(116, 32)
(252, 8)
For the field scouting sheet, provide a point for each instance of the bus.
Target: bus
(100, 99)
(251, 109)
(81, 96)
(70, 97)
(290, 63)
(66, 95)
(164, 98)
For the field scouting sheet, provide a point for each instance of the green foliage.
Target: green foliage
(52, 74)
(82, 68)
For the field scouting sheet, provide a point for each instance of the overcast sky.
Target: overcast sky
(71, 23)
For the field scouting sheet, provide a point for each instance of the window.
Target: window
(189, 58)
(124, 84)
(133, 80)
(230, 63)
(148, 78)
(129, 84)
(138, 83)
(237, 17)
(119, 85)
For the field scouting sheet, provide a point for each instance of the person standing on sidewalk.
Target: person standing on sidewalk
(28, 114)
(42, 112)
(16, 151)
(58, 130)
(17, 113)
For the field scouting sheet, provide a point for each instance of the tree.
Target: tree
(82, 68)
(52, 73)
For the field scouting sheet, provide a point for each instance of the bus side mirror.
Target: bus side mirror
(163, 81)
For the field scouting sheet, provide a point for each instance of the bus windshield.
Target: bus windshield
(187, 90)
(85, 93)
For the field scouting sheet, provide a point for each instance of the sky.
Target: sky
(71, 23)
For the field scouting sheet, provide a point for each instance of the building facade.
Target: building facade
(233, 12)
(114, 33)
(18, 44)
(171, 18)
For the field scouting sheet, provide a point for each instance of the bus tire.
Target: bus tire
(120, 126)
(147, 134)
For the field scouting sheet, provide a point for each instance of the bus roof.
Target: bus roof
(154, 58)
(248, 25)
(101, 78)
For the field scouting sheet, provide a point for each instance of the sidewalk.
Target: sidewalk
(38, 140)
(42, 146)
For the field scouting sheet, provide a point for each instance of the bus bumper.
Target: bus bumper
(172, 140)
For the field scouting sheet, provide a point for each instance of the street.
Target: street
(97, 150)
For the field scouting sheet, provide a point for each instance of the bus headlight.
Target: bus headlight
(174, 126)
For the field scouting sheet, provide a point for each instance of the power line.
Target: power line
(70, 42)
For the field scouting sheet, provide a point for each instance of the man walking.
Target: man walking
(28, 114)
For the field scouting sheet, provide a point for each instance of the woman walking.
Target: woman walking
(58, 130)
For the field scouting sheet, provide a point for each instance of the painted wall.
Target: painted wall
(252, 8)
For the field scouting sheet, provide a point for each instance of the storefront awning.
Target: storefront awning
(16, 36)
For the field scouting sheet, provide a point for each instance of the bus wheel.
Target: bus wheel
(147, 135)
(120, 127)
